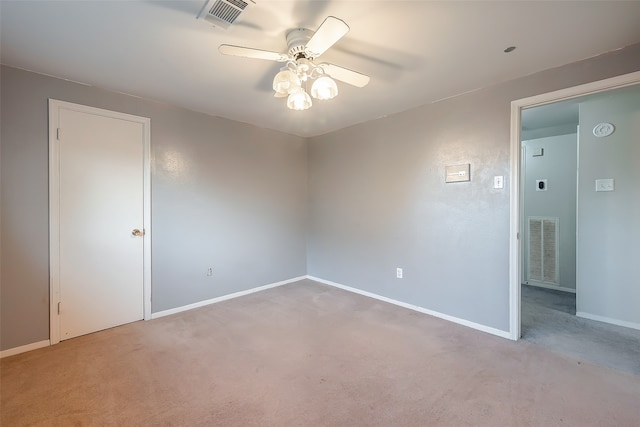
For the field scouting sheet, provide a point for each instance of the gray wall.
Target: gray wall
(224, 194)
(379, 201)
(559, 165)
(378, 198)
(608, 226)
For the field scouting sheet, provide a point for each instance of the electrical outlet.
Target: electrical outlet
(210, 271)
(399, 273)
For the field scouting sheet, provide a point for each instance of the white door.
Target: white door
(101, 220)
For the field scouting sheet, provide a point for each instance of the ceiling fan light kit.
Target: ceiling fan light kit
(291, 81)
(303, 47)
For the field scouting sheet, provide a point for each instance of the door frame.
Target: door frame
(515, 249)
(54, 207)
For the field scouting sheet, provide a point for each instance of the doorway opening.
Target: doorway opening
(562, 228)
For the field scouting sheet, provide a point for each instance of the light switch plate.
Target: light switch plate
(605, 184)
(457, 173)
(498, 182)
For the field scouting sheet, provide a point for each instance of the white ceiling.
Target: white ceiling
(416, 52)
(556, 114)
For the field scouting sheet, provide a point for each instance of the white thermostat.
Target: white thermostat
(603, 129)
(541, 185)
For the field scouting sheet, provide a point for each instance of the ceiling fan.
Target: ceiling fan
(300, 70)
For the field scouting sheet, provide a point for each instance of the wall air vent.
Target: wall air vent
(223, 13)
(543, 250)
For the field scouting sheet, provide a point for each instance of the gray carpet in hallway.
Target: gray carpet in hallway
(549, 320)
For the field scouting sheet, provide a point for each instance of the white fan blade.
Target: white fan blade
(346, 75)
(248, 52)
(327, 34)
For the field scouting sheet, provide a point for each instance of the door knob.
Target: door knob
(137, 232)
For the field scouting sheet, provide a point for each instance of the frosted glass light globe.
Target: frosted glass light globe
(299, 100)
(285, 81)
(324, 88)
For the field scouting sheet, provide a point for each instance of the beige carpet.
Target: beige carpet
(308, 355)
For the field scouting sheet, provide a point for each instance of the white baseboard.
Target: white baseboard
(223, 298)
(617, 322)
(24, 348)
(544, 285)
(453, 319)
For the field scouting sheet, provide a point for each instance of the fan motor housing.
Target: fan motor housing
(297, 40)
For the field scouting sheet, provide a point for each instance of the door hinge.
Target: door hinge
(59, 307)
(58, 134)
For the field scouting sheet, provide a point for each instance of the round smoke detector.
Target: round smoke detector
(602, 130)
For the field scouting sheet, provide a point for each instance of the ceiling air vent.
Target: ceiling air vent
(223, 13)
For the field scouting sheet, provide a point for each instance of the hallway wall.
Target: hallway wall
(558, 165)
(608, 270)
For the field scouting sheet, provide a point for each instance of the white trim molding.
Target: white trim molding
(514, 230)
(604, 319)
(463, 322)
(24, 348)
(223, 298)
